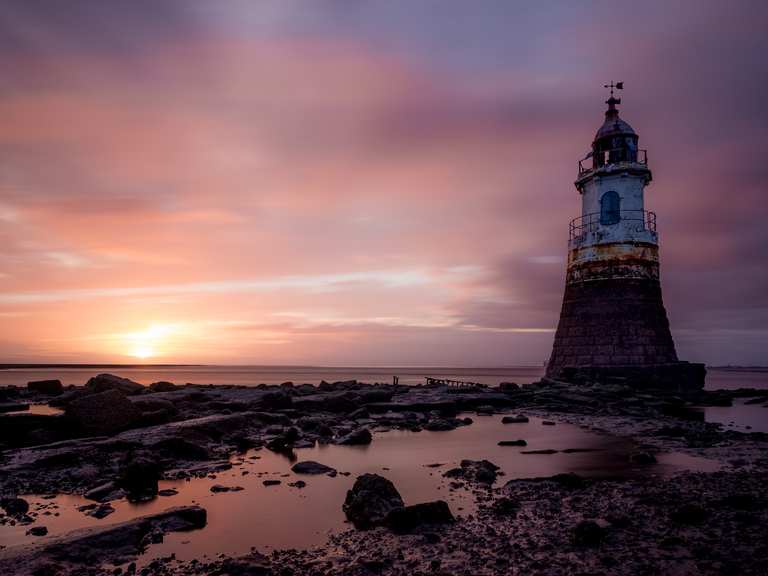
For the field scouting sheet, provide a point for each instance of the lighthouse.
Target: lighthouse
(613, 325)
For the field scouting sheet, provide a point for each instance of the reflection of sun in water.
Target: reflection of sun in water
(147, 343)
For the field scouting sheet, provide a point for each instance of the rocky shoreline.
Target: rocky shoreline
(116, 439)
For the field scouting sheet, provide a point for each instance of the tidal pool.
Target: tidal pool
(267, 517)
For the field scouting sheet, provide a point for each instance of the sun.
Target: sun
(142, 351)
(148, 343)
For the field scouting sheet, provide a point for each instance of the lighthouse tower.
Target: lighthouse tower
(613, 322)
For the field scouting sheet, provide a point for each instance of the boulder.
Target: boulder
(642, 458)
(371, 500)
(150, 404)
(588, 534)
(105, 492)
(513, 443)
(216, 488)
(38, 531)
(404, 520)
(139, 478)
(163, 386)
(104, 382)
(509, 387)
(480, 471)
(311, 467)
(14, 506)
(102, 414)
(690, 514)
(519, 419)
(48, 387)
(357, 437)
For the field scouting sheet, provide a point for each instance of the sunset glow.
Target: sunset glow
(359, 193)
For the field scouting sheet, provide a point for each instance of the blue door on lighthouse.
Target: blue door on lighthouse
(610, 208)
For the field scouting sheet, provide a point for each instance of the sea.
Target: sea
(717, 378)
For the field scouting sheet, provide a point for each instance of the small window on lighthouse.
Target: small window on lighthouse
(610, 212)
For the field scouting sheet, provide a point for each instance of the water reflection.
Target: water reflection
(287, 517)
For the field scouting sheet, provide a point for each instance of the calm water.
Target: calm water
(282, 516)
(254, 375)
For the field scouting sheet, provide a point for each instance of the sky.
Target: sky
(364, 183)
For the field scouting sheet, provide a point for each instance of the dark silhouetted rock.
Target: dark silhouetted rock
(38, 531)
(298, 484)
(356, 437)
(513, 443)
(216, 488)
(588, 534)
(409, 518)
(690, 514)
(519, 419)
(544, 451)
(371, 500)
(505, 506)
(13, 407)
(102, 414)
(104, 492)
(163, 386)
(271, 482)
(14, 506)
(104, 382)
(509, 387)
(569, 480)
(139, 478)
(642, 458)
(548, 423)
(48, 387)
(182, 448)
(311, 467)
(480, 471)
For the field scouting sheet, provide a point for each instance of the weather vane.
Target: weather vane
(617, 86)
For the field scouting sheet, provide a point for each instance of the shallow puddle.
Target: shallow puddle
(741, 416)
(282, 516)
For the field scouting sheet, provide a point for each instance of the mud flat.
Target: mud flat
(623, 482)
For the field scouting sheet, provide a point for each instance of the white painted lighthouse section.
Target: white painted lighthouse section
(631, 223)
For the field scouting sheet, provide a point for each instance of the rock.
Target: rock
(519, 419)
(569, 480)
(167, 492)
(480, 471)
(101, 511)
(642, 458)
(104, 492)
(93, 546)
(163, 386)
(409, 518)
(14, 506)
(545, 451)
(548, 423)
(150, 404)
(13, 407)
(505, 506)
(48, 387)
(104, 382)
(298, 484)
(182, 449)
(588, 534)
(311, 467)
(357, 437)
(509, 387)
(513, 443)
(371, 500)
(38, 531)
(139, 478)
(690, 514)
(441, 425)
(271, 482)
(102, 414)
(216, 488)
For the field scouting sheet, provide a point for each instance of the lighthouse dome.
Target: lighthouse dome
(614, 126)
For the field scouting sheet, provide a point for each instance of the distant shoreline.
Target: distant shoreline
(31, 366)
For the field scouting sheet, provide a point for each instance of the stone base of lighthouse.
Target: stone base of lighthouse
(613, 323)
